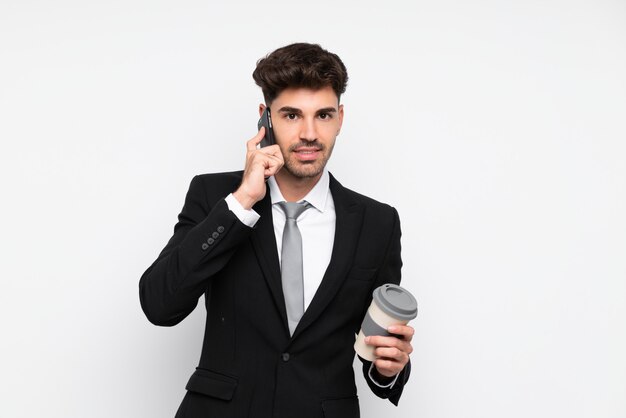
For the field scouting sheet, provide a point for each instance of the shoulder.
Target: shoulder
(374, 209)
(215, 186)
(226, 177)
(371, 204)
(219, 180)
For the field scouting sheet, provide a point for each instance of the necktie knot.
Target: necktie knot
(293, 209)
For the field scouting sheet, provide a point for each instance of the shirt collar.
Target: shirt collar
(317, 196)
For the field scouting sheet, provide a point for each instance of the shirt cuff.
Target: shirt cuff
(388, 385)
(248, 217)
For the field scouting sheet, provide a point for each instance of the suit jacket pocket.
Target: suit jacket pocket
(359, 273)
(212, 384)
(341, 408)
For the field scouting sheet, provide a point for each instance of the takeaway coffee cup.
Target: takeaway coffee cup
(391, 305)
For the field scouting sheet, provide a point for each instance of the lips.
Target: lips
(307, 153)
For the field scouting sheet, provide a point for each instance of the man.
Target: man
(275, 346)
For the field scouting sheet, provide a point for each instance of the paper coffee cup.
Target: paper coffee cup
(391, 305)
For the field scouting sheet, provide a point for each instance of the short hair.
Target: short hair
(300, 65)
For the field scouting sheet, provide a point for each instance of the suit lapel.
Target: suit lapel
(264, 243)
(349, 217)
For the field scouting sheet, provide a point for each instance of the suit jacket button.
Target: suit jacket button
(210, 241)
(285, 357)
(215, 235)
(205, 245)
(220, 229)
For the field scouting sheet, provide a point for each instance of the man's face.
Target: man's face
(306, 123)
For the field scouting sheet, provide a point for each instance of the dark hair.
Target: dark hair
(300, 65)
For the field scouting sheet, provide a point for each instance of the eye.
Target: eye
(324, 116)
(291, 116)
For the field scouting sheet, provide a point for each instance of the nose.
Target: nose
(308, 132)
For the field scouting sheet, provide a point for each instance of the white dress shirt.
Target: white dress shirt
(317, 227)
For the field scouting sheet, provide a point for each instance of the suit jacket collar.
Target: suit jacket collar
(348, 223)
(264, 243)
(349, 217)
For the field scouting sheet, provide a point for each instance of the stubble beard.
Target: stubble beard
(307, 169)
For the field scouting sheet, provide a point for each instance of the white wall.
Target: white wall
(497, 128)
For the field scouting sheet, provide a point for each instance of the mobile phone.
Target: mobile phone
(266, 120)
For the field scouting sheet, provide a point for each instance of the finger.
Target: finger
(270, 164)
(269, 160)
(272, 150)
(401, 345)
(388, 368)
(261, 157)
(252, 143)
(405, 331)
(272, 168)
(381, 341)
(389, 353)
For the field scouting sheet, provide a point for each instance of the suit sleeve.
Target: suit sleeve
(205, 237)
(390, 272)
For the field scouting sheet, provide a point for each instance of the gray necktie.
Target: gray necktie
(291, 263)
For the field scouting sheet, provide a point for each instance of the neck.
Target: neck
(295, 188)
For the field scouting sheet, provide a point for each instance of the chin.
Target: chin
(304, 171)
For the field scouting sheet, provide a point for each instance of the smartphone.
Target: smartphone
(266, 120)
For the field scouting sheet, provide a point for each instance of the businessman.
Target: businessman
(287, 259)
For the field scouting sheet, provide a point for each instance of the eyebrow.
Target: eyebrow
(295, 110)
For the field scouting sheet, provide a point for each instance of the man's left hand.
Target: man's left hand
(392, 353)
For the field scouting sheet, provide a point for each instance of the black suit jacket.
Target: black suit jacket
(250, 366)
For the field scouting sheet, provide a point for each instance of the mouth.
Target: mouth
(307, 153)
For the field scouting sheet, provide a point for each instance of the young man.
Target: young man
(284, 297)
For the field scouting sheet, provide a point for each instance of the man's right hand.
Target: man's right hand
(261, 163)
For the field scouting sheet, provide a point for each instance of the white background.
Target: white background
(496, 128)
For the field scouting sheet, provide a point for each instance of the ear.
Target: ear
(261, 109)
(340, 118)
